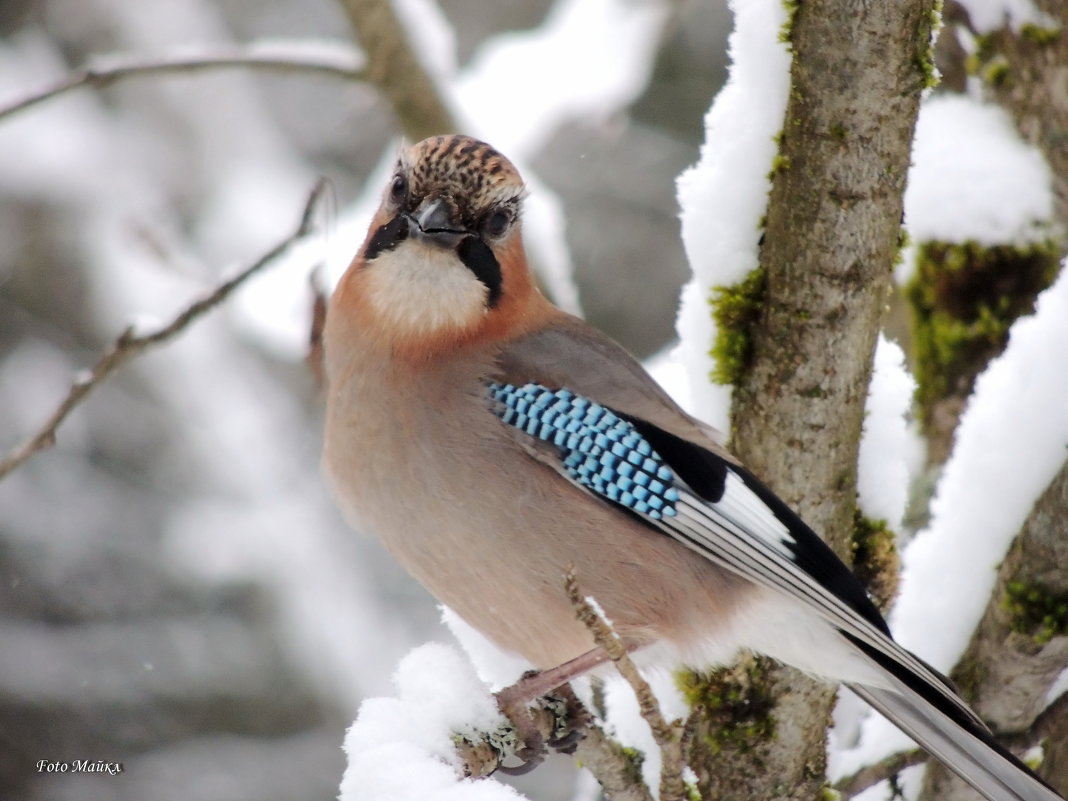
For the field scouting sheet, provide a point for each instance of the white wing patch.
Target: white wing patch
(741, 506)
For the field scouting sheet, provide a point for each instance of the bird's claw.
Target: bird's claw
(571, 719)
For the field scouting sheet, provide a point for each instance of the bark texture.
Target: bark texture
(394, 68)
(1020, 647)
(832, 233)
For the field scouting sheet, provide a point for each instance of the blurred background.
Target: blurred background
(177, 592)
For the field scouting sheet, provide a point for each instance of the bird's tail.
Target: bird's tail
(957, 742)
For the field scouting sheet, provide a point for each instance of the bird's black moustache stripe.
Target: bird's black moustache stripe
(387, 237)
(479, 259)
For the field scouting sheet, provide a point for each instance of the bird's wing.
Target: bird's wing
(603, 424)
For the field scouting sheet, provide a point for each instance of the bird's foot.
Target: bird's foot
(532, 753)
(571, 719)
(558, 720)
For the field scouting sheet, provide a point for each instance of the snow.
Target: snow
(670, 373)
(432, 38)
(890, 452)
(973, 178)
(594, 57)
(1058, 688)
(910, 780)
(495, 667)
(46, 150)
(989, 15)
(626, 724)
(401, 748)
(724, 195)
(336, 55)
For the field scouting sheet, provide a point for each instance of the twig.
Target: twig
(871, 775)
(668, 736)
(130, 344)
(320, 299)
(395, 69)
(342, 61)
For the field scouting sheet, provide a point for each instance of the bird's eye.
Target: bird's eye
(398, 190)
(497, 222)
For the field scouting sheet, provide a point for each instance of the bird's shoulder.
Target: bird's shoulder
(569, 353)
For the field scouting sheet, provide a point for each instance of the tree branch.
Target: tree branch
(670, 737)
(130, 344)
(396, 71)
(343, 62)
(871, 775)
(1021, 645)
(1024, 70)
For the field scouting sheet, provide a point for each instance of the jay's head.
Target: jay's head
(444, 254)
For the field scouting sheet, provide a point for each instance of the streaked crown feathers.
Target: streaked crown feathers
(472, 174)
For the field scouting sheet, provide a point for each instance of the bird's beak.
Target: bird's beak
(435, 223)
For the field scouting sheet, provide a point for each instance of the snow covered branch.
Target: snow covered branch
(131, 344)
(1021, 645)
(1020, 58)
(335, 60)
(395, 69)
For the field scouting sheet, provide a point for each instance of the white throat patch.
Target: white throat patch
(418, 289)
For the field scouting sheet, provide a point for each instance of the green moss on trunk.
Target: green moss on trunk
(737, 705)
(876, 561)
(964, 298)
(1037, 611)
(735, 309)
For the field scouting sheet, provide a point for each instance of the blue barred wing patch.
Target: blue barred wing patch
(598, 448)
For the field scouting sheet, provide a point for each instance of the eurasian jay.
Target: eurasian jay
(494, 442)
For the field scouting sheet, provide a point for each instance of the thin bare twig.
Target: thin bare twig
(130, 344)
(670, 737)
(320, 299)
(871, 775)
(340, 61)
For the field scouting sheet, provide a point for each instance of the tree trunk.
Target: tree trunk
(831, 237)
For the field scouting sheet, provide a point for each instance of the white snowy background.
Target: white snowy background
(178, 592)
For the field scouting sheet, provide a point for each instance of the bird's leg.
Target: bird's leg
(537, 683)
(513, 701)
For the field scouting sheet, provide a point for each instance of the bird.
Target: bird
(494, 442)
